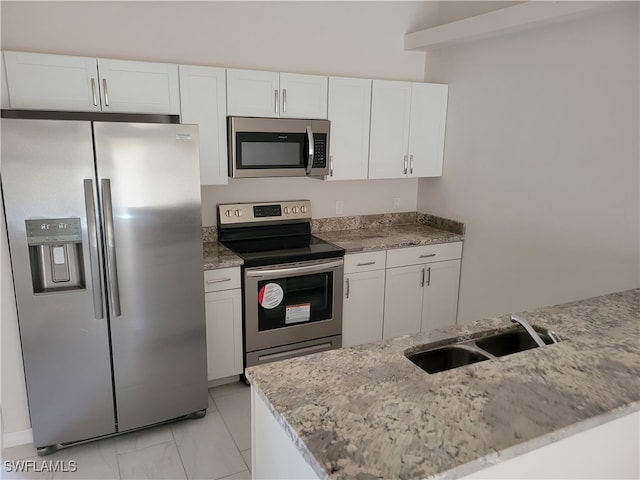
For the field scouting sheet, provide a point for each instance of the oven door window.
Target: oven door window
(295, 300)
(259, 150)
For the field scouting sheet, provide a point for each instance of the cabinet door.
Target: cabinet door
(427, 127)
(139, 87)
(390, 113)
(350, 113)
(303, 96)
(224, 333)
(203, 101)
(363, 308)
(52, 82)
(253, 93)
(440, 305)
(403, 300)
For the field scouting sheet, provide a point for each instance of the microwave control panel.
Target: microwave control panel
(236, 213)
(319, 150)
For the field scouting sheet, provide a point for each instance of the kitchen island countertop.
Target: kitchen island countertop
(369, 412)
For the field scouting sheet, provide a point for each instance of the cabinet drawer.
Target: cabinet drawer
(221, 279)
(423, 254)
(364, 262)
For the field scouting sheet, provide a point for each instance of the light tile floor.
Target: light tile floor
(214, 447)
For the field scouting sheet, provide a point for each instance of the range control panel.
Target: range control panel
(237, 213)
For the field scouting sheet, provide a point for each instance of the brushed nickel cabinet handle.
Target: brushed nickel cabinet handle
(428, 255)
(347, 288)
(411, 164)
(365, 263)
(422, 278)
(93, 91)
(428, 276)
(219, 281)
(284, 100)
(276, 100)
(405, 164)
(106, 92)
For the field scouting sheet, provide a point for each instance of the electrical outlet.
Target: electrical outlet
(396, 203)
(339, 207)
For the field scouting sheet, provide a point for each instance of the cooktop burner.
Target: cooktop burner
(272, 233)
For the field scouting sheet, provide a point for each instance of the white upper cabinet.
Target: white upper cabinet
(407, 129)
(61, 82)
(303, 96)
(139, 87)
(390, 115)
(253, 93)
(349, 112)
(52, 82)
(427, 128)
(203, 101)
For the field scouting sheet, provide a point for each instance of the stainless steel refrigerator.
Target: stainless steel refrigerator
(104, 228)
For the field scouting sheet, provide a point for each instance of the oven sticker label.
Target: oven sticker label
(297, 313)
(270, 295)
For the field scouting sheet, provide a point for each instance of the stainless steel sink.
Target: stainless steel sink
(510, 342)
(445, 358)
(484, 347)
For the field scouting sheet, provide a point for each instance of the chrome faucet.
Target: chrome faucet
(529, 329)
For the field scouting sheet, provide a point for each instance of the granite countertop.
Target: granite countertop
(216, 255)
(357, 233)
(368, 412)
(388, 237)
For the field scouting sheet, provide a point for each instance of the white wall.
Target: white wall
(360, 39)
(542, 162)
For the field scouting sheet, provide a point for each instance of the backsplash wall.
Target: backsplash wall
(359, 197)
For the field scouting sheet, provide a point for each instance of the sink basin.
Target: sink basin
(484, 347)
(510, 342)
(446, 358)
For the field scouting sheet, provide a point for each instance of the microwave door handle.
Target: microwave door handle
(310, 152)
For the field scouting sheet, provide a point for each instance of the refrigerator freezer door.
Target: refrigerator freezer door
(65, 347)
(150, 189)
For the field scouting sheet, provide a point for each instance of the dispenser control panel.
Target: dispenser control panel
(53, 231)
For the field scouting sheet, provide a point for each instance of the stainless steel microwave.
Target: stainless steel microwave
(277, 147)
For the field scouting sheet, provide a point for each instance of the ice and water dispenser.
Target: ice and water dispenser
(55, 253)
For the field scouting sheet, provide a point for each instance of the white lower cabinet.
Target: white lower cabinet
(403, 301)
(223, 307)
(400, 292)
(363, 306)
(421, 288)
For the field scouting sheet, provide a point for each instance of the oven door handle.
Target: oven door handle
(296, 270)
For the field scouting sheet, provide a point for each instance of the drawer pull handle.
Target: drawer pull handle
(365, 264)
(219, 281)
(428, 255)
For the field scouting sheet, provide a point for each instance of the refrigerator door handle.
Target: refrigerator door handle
(112, 270)
(94, 259)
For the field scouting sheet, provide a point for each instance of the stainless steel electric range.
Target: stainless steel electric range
(292, 281)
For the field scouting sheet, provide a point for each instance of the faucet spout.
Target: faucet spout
(529, 329)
